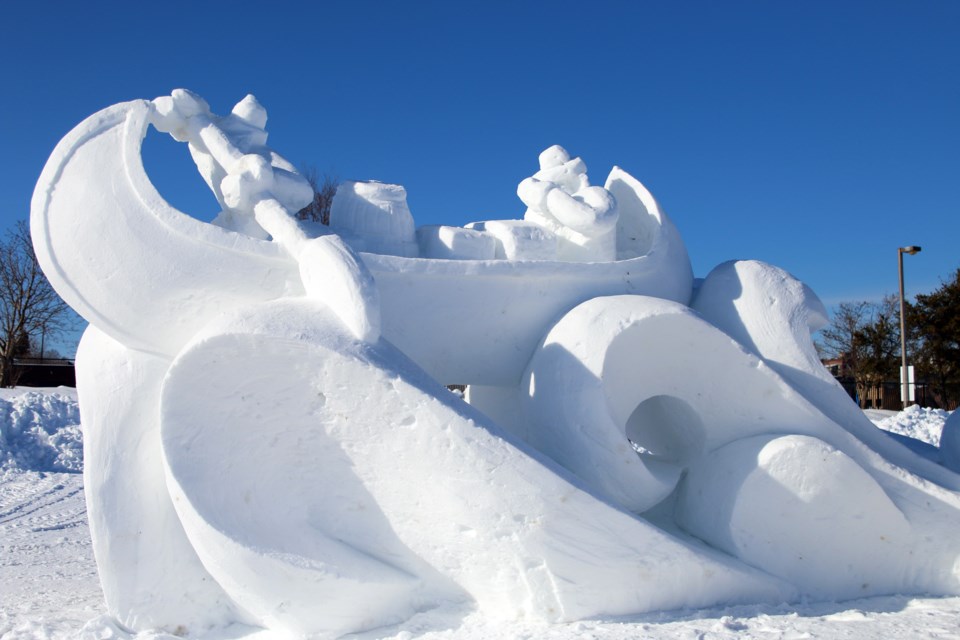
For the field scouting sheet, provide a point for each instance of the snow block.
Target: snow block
(519, 240)
(455, 243)
(374, 217)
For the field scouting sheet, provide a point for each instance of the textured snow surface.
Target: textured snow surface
(48, 579)
(919, 423)
(40, 430)
(49, 588)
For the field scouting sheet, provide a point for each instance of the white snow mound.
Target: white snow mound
(40, 432)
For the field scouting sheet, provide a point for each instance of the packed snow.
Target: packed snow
(271, 451)
(920, 423)
(919, 429)
(40, 431)
(49, 588)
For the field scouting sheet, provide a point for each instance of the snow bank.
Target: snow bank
(40, 431)
(920, 423)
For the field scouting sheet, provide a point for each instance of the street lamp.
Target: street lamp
(904, 378)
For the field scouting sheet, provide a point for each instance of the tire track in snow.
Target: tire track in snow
(35, 502)
(36, 506)
(48, 578)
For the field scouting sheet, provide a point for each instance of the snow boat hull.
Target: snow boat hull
(101, 246)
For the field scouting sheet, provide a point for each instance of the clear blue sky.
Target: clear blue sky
(818, 136)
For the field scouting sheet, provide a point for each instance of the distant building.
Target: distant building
(881, 395)
(838, 367)
(46, 372)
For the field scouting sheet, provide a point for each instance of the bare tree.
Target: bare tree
(324, 188)
(838, 340)
(29, 307)
(866, 336)
(878, 344)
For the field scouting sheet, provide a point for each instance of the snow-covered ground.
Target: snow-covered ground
(49, 586)
(48, 579)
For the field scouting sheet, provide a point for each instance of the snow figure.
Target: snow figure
(270, 444)
(560, 199)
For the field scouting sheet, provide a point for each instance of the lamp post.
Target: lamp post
(904, 378)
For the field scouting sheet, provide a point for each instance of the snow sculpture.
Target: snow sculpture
(518, 239)
(270, 444)
(455, 243)
(950, 442)
(757, 496)
(375, 217)
(219, 143)
(559, 198)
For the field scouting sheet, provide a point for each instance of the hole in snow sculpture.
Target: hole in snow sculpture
(268, 442)
(175, 180)
(665, 429)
